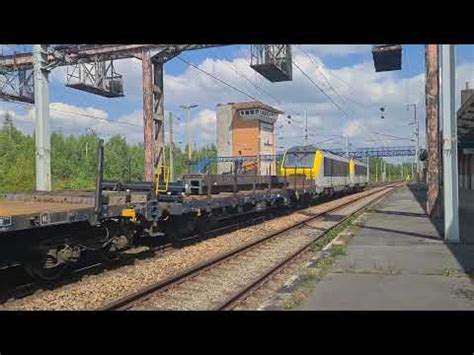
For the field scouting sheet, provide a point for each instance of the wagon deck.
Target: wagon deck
(19, 208)
(40, 209)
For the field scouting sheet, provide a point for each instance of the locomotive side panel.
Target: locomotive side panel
(335, 174)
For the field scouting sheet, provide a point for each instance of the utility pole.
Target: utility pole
(188, 130)
(43, 138)
(368, 169)
(171, 148)
(148, 131)
(87, 144)
(432, 129)
(416, 131)
(384, 170)
(158, 114)
(153, 89)
(376, 172)
(92, 131)
(347, 146)
(187, 108)
(450, 147)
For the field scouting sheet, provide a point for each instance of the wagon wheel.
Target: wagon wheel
(45, 267)
(205, 225)
(106, 256)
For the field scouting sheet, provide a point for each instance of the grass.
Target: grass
(338, 250)
(451, 272)
(308, 279)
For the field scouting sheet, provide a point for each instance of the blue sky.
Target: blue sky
(344, 72)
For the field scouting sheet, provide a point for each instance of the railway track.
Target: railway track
(17, 284)
(224, 281)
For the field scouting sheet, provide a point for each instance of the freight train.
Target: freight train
(47, 232)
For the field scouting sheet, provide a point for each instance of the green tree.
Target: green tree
(17, 167)
(117, 162)
(137, 162)
(74, 160)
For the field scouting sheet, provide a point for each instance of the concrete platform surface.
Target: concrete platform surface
(398, 261)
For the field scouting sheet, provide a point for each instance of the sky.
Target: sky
(345, 73)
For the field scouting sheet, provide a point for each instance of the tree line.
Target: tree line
(74, 159)
(392, 171)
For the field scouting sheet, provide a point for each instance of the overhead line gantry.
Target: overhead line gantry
(94, 73)
(18, 68)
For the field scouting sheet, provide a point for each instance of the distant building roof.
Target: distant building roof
(465, 122)
(254, 104)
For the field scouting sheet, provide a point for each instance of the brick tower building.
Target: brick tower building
(247, 129)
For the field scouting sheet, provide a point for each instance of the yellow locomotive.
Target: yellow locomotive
(330, 172)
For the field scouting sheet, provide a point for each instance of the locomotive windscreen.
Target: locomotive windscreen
(300, 157)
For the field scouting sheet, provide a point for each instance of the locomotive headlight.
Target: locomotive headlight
(5, 221)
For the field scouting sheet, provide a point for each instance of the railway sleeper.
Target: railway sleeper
(52, 249)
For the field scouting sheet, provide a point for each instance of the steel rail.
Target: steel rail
(25, 289)
(238, 297)
(145, 293)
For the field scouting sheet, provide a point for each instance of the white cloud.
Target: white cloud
(337, 49)
(131, 70)
(203, 127)
(353, 128)
(74, 120)
(362, 90)
(4, 112)
(135, 118)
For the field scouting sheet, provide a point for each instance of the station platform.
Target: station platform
(397, 261)
(466, 215)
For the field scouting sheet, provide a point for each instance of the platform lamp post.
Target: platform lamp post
(187, 108)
